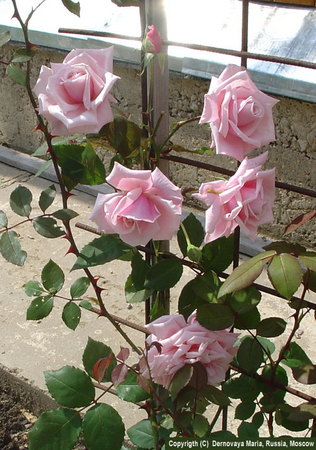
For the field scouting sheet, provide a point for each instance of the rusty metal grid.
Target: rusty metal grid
(244, 56)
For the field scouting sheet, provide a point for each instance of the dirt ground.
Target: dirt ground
(15, 422)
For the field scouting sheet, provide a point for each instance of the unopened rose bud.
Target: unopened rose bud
(152, 42)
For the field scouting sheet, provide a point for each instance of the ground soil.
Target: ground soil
(15, 421)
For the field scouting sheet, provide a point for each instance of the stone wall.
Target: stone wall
(293, 154)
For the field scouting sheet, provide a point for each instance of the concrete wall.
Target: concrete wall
(293, 154)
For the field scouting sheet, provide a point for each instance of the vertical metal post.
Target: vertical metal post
(158, 102)
(244, 31)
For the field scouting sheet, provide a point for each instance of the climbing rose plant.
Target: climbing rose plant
(192, 363)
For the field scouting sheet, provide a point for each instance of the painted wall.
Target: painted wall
(293, 154)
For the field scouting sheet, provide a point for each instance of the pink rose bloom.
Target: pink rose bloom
(245, 200)
(148, 206)
(240, 114)
(153, 41)
(180, 343)
(74, 95)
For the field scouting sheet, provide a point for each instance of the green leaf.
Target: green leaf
(85, 304)
(195, 232)
(33, 288)
(3, 220)
(244, 410)
(218, 255)
(53, 277)
(222, 435)
(305, 374)
(285, 247)
(71, 315)
(55, 430)
(16, 74)
(244, 275)
(142, 434)
(134, 295)
(70, 387)
(44, 167)
(285, 274)
(248, 320)
(202, 289)
(249, 346)
(273, 396)
(244, 300)
(126, 2)
(94, 351)
(103, 428)
(79, 287)
(215, 395)
(140, 268)
(10, 248)
(130, 391)
(180, 380)
(309, 260)
(308, 408)
(40, 308)
(215, 316)
(295, 356)
(20, 201)
(271, 327)
(79, 164)
(47, 227)
(101, 250)
(248, 430)
(123, 135)
(5, 36)
(200, 425)
(310, 280)
(47, 197)
(164, 275)
(258, 419)
(73, 7)
(243, 387)
(267, 345)
(65, 214)
(134, 286)
(23, 55)
(283, 418)
(194, 253)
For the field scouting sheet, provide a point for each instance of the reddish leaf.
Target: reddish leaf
(123, 354)
(299, 221)
(100, 367)
(144, 383)
(119, 374)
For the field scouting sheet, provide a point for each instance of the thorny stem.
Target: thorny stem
(64, 193)
(298, 317)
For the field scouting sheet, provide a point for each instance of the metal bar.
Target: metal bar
(193, 265)
(244, 31)
(204, 48)
(212, 168)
